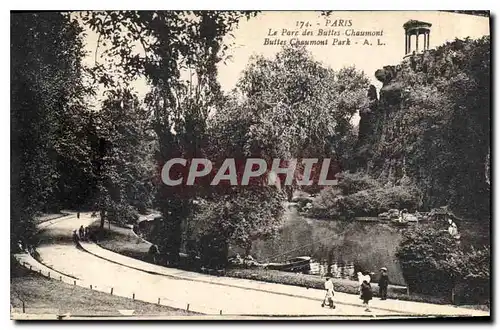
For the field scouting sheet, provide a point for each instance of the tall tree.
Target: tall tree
(172, 44)
(127, 166)
(287, 95)
(47, 91)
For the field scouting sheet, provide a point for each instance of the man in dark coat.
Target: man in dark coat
(75, 237)
(383, 283)
(153, 253)
(81, 233)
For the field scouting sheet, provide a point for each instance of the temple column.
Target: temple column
(406, 44)
(428, 37)
(416, 45)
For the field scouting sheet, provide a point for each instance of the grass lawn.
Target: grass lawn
(43, 295)
(123, 241)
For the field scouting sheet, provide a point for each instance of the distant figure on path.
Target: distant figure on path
(78, 215)
(75, 237)
(366, 294)
(81, 232)
(383, 283)
(330, 292)
(153, 252)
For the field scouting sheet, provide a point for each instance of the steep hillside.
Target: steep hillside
(430, 126)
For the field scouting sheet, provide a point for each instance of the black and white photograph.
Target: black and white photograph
(250, 165)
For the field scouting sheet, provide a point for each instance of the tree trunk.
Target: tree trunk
(103, 217)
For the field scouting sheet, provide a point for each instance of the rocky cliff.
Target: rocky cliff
(430, 125)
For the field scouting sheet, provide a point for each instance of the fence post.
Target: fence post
(74, 282)
(48, 274)
(60, 278)
(91, 287)
(133, 296)
(187, 308)
(111, 290)
(24, 309)
(158, 301)
(221, 312)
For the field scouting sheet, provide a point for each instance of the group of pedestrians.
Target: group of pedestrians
(83, 234)
(365, 289)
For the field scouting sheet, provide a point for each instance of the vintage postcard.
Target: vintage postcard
(250, 165)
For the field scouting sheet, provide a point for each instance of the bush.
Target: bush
(375, 201)
(433, 262)
(123, 214)
(474, 283)
(323, 206)
(350, 183)
(370, 202)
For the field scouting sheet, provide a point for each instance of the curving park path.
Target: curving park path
(91, 265)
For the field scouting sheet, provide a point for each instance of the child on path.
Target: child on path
(366, 294)
(330, 292)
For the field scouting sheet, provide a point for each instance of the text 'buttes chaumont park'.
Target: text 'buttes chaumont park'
(340, 37)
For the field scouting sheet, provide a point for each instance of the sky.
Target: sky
(445, 27)
(250, 35)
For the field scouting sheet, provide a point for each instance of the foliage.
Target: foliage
(174, 45)
(438, 130)
(323, 206)
(434, 262)
(294, 90)
(126, 165)
(350, 183)
(238, 218)
(375, 201)
(358, 194)
(47, 99)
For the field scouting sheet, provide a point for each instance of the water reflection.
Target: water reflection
(338, 270)
(348, 246)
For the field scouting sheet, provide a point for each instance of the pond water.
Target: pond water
(347, 246)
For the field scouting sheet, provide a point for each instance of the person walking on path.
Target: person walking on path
(81, 232)
(75, 237)
(383, 283)
(366, 294)
(330, 292)
(86, 232)
(153, 253)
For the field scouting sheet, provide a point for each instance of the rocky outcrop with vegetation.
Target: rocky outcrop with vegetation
(430, 126)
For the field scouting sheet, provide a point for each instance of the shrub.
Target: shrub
(123, 214)
(370, 202)
(375, 201)
(323, 206)
(360, 195)
(350, 183)
(474, 283)
(433, 262)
